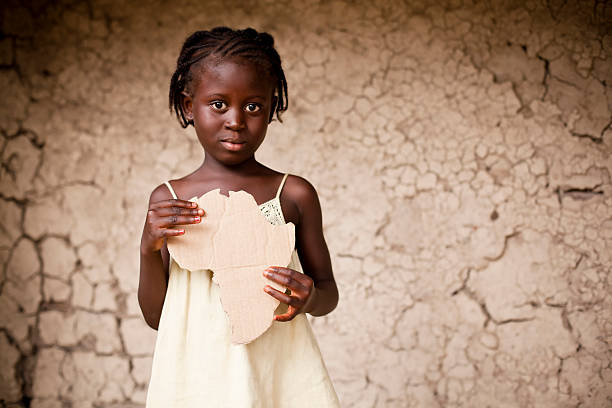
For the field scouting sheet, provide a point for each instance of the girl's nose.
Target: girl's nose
(235, 120)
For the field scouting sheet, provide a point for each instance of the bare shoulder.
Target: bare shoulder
(302, 194)
(160, 193)
(299, 188)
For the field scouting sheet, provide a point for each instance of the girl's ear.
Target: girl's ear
(187, 105)
(272, 108)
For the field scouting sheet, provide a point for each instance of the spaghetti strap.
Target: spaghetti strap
(171, 190)
(280, 188)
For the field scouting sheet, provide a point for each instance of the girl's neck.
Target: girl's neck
(215, 168)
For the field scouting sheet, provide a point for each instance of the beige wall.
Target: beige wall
(462, 156)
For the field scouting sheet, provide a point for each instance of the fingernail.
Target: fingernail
(193, 204)
(266, 273)
(201, 211)
(196, 218)
(181, 231)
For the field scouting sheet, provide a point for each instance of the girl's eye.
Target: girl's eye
(219, 105)
(252, 107)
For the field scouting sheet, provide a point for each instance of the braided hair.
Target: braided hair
(223, 42)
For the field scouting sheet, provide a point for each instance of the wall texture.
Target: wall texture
(461, 149)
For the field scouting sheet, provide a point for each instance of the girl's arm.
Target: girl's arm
(316, 292)
(163, 215)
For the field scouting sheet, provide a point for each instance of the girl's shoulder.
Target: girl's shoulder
(299, 189)
(173, 188)
(299, 199)
(160, 193)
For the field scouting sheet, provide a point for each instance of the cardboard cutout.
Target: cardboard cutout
(236, 242)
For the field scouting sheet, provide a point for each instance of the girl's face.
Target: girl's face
(230, 108)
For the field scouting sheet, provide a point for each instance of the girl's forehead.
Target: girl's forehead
(233, 73)
(218, 66)
(224, 66)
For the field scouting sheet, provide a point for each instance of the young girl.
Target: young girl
(229, 85)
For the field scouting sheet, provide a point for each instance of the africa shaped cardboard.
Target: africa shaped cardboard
(236, 242)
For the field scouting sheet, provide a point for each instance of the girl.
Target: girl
(229, 85)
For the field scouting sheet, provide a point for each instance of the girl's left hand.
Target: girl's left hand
(300, 285)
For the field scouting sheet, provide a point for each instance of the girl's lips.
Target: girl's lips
(232, 146)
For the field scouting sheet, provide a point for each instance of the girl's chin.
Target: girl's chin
(232, 159)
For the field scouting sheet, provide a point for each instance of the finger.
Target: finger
(287, 279)
(158, 216)
(173, 202)
(281, 270)
(282, 297)
(292, 273)
(173, 220)
(171, 232)
(176, 211)
(285, 317)
(166, 211)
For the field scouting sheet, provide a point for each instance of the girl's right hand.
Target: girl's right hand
(162, 217)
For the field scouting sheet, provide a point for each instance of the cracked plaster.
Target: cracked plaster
(461, 151)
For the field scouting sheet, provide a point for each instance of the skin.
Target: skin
(231, 104)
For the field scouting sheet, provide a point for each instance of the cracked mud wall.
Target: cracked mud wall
(461, 151)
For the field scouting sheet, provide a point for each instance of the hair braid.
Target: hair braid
(224, 42)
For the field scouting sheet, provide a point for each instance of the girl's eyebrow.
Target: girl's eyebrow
(215, 95)
(256, 97)
(219, 95)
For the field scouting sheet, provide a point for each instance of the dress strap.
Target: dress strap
(280, 188)
(171, 189)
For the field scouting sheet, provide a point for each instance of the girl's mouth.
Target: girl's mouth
(232, 146)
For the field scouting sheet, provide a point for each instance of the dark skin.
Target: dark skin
(230, 105)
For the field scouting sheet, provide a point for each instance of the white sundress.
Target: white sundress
(195, 365)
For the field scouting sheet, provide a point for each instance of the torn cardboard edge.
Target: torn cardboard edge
(237, 243)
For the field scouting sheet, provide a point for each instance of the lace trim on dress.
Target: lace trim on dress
(273, 212)
(272, 209)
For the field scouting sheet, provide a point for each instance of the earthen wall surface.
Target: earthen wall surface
(461, 151)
